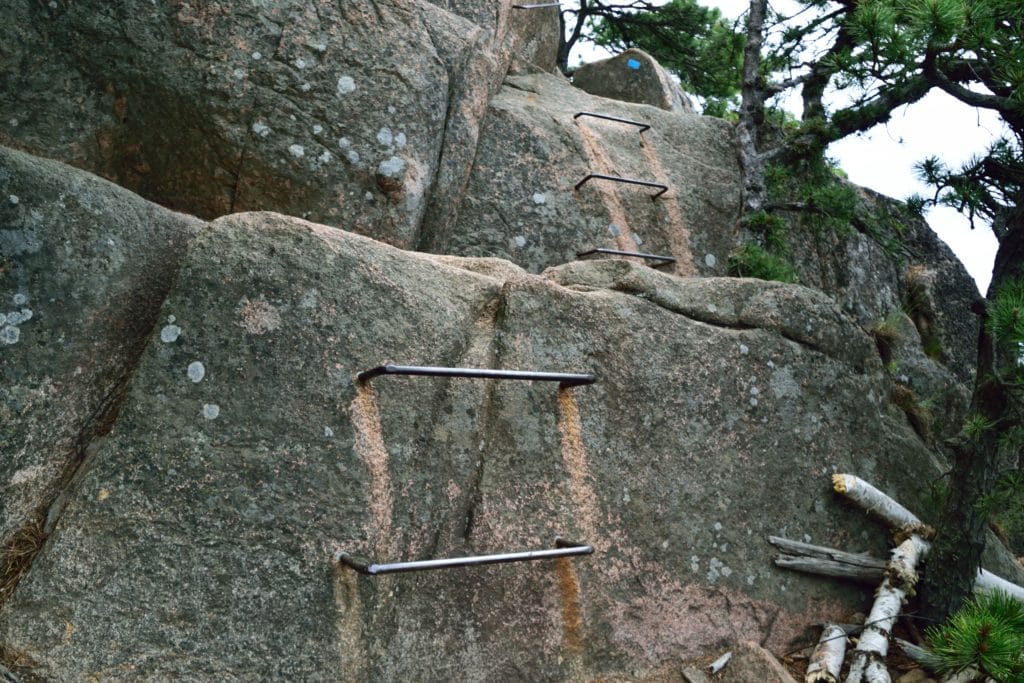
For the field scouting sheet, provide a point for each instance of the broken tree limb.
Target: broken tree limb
(986, 582)
(817, 559)
(874, 501)
(827, 658)
(807, 558)
(866, 663)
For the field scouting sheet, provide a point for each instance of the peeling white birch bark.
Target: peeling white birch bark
(873, 500)
(987, 582)
(867, 662)
(827, 658)
(895, 515)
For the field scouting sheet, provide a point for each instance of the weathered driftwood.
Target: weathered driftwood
(866, 663)
(804, 557)
(828, 655)
(919, 654)
(817, 559)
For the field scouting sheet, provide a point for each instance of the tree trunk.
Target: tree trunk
(752, 111)
(961, 536)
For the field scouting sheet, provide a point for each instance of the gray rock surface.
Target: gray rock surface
(199, 542)
(520, 202)
(84, 268)
(290, 106)
(633, 76)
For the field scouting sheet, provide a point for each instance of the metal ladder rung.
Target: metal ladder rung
(615, 252)
(562, 548)
(564, 378)
(643, 126)
(620, 179)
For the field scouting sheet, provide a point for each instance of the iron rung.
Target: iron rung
(616, 252)
(566, 379)
(642, 126)
(562, 549)
(629, 181)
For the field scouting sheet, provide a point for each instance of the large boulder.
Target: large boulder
(84, 268)
(292, 106)
(521, 202)
(633, 76)
(199, 542)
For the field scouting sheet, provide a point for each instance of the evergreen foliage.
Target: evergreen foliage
(986, 633)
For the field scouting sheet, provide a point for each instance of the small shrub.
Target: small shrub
(753, 260)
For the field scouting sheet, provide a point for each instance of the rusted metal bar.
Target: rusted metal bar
(562, 549)
(630, 181)
(616, 252)
(643, 126)
(565, 379)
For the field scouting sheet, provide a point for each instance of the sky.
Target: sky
(883, 158)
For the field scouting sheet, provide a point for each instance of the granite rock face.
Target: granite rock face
(181, 428)
(202, 534)
(522, 203)
(294, 106)
(84, 268)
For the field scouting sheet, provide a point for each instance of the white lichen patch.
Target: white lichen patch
(13, 199)
(520, 241)
(400, 140)
(27, 474)
(328, 432)
(259, 317)
(344, 143)
(539, 198)
(325, 158)
(385, 137)
(744, 349)
(300, 63)
(196, 371)
(211, 411)
(310, 299)
(20, 299)
(710, 261)
(352, 156)
(392, 168)
(261, 129)
(297, 151)
(346, 85)
(19, 317)
(317, 129)
(257, 56)
(239, 74)
(305, 87)
(170, 333)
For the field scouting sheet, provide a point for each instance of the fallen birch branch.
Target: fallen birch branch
(867, 662)
(899, 517)
(827, 658)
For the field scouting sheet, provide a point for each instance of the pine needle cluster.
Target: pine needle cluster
(987, 633)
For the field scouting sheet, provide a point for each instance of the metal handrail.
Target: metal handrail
(616, 252)
(546, 4)
(564, 378)
(643, 126)
(562, 548)
(619, 179)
